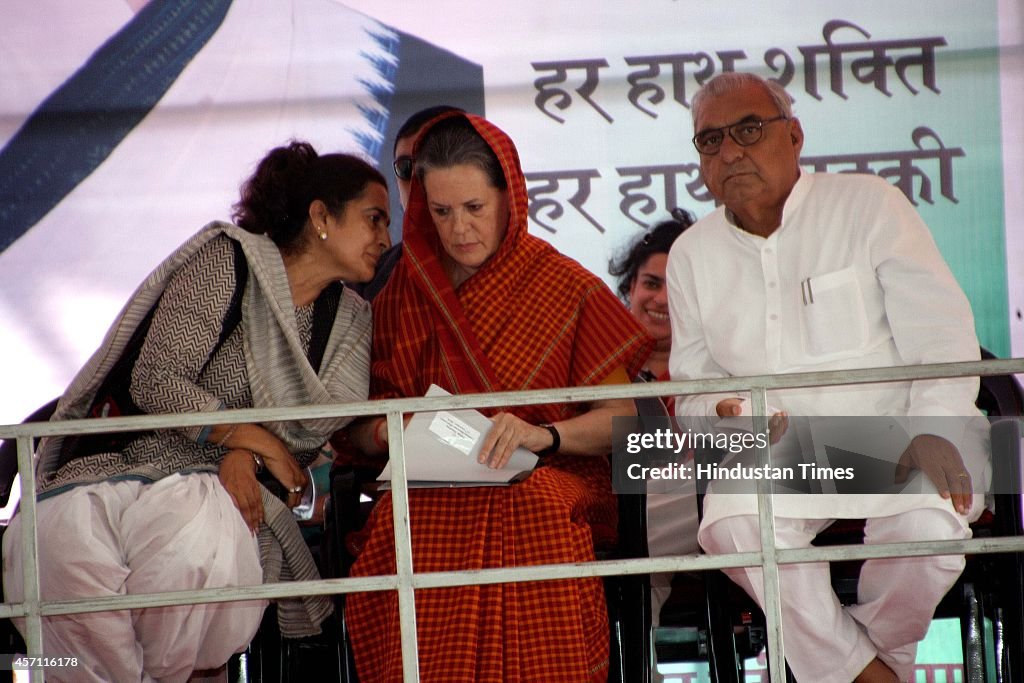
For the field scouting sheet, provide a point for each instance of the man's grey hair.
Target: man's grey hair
(731, 81)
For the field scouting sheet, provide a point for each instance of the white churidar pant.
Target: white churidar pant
(182, 532)
(824, 641)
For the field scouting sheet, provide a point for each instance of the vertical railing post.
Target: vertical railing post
(30, 555)
(403, 548)
(769, 561)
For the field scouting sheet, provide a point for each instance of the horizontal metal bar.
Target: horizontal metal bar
(520, 398)
(620, 567)
(676, 563)
(265, 591)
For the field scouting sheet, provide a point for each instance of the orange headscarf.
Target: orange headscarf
(529, 318)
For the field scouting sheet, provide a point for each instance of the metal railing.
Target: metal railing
(405, 581)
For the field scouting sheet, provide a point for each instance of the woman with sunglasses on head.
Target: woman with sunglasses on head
(402, 167)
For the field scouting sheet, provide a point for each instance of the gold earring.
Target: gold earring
(322, 233)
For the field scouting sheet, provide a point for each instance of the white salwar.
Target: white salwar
(850, 279)
(824, 641)
(182, 532)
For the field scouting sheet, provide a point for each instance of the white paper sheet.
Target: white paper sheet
(441, 450)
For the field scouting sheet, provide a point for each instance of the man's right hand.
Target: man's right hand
(778, 423)
(729, 407)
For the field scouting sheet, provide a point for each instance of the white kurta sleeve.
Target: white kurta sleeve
(690, 357)
(928, 313)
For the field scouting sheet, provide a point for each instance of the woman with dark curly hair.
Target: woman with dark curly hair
(671, 508)
(246, 315)
(641, 273)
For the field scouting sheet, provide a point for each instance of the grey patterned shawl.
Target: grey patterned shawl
(279, 375)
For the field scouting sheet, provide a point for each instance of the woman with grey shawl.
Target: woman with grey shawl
(245, 315)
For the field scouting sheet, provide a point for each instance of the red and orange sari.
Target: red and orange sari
(530, 318)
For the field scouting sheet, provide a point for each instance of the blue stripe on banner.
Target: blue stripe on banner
(77, 127)
(382, 93)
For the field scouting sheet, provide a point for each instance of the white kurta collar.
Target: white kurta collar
(800, 190)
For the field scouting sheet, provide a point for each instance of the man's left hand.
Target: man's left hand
(941, 462)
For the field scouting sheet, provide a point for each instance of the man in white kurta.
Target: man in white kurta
(801, 272)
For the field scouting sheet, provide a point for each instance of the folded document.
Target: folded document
(441, 450)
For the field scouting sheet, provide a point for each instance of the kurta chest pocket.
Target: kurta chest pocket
(833, 317)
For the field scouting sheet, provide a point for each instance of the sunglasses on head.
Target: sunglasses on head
(403, 168)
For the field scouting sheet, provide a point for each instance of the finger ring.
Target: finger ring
(964, 475)
(295, 489)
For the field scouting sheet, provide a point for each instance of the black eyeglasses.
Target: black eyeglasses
(745, 133)
(403, 168)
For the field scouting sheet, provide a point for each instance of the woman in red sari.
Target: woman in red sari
(479, 305)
